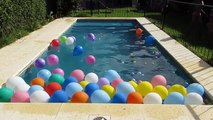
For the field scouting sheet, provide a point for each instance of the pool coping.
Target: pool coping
(21, 54)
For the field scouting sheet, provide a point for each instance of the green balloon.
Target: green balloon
(63, 39)
(5, 94)
(56, 78)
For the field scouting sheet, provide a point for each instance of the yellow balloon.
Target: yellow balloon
(178, 88)
(161, 90)
(144, 88)
(109, 90)
(84, 83)
(133, 83)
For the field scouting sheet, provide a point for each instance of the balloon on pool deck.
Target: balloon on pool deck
(158, 80)
(14, 81)
(80, 97)
(161, 90)
(178, 88)
(111, 75)
(22, 87)
(138, 31)
(116, 82)
(58, 97)
(149, 40)
(174, 98)
(133, 83)
(144, 88)
(63, 39)
(103, 81)
(70, 41)
(90, 59)
(91, 77)
(55, 43)
(5, 94)
(134, 97)
(196, 87)
(68, 80)
(72, 88)
(52, 59)
(38, 81)
(125, 88)
(20, 96)
(84, 83)
(109, 90)
(90, 88)
(78, 50)
(56, 78)
(193, 99)
(44, 74)
(39, 97)
(78, 74)
(91, 37)
(52, 87)
(119, 98)
(99, 96)
(40, 63)
(58, 71)
(152, 98)
(34, 88)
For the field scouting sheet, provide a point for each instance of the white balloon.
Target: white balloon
(152, 98)
(91, 77)
(193, 99)
(39, 96)
(22, 87)
(69, 41)
(14, 81)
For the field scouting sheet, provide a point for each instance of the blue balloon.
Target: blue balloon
(125, 88)
(118, 98)
(111, 75)
(196, 87)
(34, 88)
(149, 40)
(58, 97)
(72, 88)
(68, 80)
(174, 98)
(45, 74)
(78, 50)
(90, 88)
(99, 96)
(185, 84)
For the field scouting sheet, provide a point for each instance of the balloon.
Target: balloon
(72, 88)
(68, 80)
(103, 81)
(174, 98)
(63, 39)
(34, 88)
(193, 99)
(12, 82)
(91, 36)
(38, 81)
(138, 31)
(152, 98)
(118, 98)
(161, 90)
(99, 96)
(116, 82)
(40, 63)
(22, 87)
(39, 96)
(52, 59)
(5, 94)
(58, 97)
(74, 38)
(139, 81)
(91, 77)
(90, 59)
(196, 87)
(52, 87)
(56, 78)
(134, 97)
(78, 50)
(177, 88)
(111, 75)
(90, 88)
(149, 40)
(185, 84)
(84, 84)
(58, 71)
(125, 88)
(20, 96)
(133, 83)
(55, 43)
(80, 97)
(109, 90)
(144, 88)
(44, 74)
(158, 80)
(70, 41)
(78, 74)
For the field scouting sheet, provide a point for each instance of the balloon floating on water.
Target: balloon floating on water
(52, 59)
(91, 37)
(55, 43)
(90, 59)
(40, 63)
(78, 50)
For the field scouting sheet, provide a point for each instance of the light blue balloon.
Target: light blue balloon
(111, 75)
(99, 96)
(196, 87)
(45, 74)
(72, 88)
(125, 88)
(174, 98)
(34, 88)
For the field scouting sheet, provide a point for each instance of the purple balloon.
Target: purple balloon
(103, 81)
(91, 36)
(40, 63)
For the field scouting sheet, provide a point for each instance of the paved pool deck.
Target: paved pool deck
(15, 57)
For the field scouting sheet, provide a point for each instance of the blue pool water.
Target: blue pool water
(116, 47)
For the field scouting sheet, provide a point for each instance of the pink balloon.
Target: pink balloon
(52, 59)
(139, 81)
(20, 96)
(78, 74)
(158, 80)
(116, 82)
(90, 59)
(58, 71)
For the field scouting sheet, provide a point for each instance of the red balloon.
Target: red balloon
(139, 32)
(55, 42)
(52, 87)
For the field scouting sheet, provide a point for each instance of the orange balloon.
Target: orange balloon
(38, 81)
(139, 32)
(135, 98)
(80, 97)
